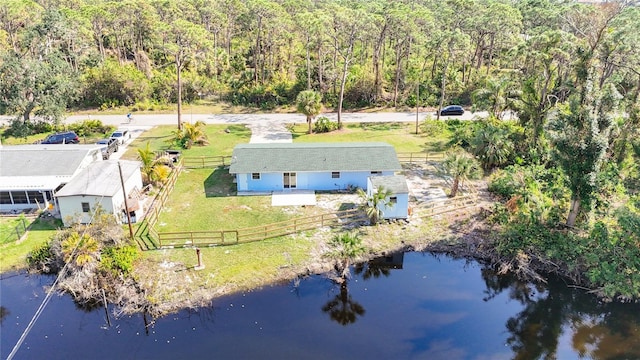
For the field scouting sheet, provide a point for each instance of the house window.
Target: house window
(335, 175)
(393, 200)
(255, 176)
(5, 198)
(85, 207)
(19, 197)
(35, 197)
(376, 173)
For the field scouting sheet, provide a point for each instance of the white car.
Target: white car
(122, 135)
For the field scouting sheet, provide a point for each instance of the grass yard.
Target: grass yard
(401, 135)
(239, 267)
(13, 255)
(222, 140)
(204, 199)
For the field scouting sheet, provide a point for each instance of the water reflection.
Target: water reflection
(3, 313)
(431, 307)
(597, 330)
(342, 308)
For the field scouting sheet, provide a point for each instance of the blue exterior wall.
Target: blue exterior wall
(400, 210)
(305, 181)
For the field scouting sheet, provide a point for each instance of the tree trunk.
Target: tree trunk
(256, 53)
(345, 68)
(573, 213)
(455, 186)
(309, 121)
(320, 70)
(308, 65)
(444, 84)
(178, 71)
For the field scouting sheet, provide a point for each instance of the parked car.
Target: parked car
(122, 135)
(68, 137)
(109, 146)
(452, 110)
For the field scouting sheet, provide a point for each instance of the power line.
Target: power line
(47, 298)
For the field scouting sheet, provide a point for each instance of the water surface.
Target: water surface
(411, 306)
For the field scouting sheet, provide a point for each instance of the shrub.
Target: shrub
(324, 125)
(41, 258)
(119, 259)
(434, 128)
(88, 127)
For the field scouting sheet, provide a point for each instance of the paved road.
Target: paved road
(170, 119)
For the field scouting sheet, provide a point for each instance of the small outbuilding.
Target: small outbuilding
(100, 185)
(395, 206)
(310, 166)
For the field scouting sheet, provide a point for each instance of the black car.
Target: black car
(68, 137)
(452, 110)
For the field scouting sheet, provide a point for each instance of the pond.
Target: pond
(407, 306)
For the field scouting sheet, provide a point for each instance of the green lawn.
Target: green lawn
(13, 255)
(204, 199)
(222, 140)
(401, 135)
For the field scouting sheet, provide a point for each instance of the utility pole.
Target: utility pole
(126, 205)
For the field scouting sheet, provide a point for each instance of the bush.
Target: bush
(42, 258)
(119, 259)
(434, 128)
(324, 125)
(88, 127)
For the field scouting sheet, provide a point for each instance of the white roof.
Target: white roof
(43, 167)
(43, 160)
(101, 178)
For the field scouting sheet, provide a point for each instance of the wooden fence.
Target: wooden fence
(448, 205)
(257, 233)
(197, 162)
(415, 157)
(146, 235)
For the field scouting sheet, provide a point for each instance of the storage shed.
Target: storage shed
(396, 206)
(100, 185)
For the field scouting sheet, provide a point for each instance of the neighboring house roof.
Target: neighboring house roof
(397, 184)
(313, 157)
(43, 160)
(101, 178)
(40, 167)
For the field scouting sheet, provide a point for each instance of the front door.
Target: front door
(289, 180)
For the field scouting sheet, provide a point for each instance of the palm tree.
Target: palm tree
(346, 247)
(309, 103)
(154, 170)
(492, 147)
(373, 203)
(461, 166)
(80, 250)
(189, 135)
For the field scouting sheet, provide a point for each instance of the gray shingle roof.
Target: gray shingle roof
(43, 160)
(299, 157)
(101, 178)
(397, 184)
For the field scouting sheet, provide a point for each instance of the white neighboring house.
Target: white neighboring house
(31, 174)
(100, 185)
(397, 205)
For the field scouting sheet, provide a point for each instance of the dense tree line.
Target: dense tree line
(493, 54)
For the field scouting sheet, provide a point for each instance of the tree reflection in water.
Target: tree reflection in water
(549, 310)
(342, 309)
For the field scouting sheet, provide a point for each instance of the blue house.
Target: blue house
(310, 166)
(395, 206)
